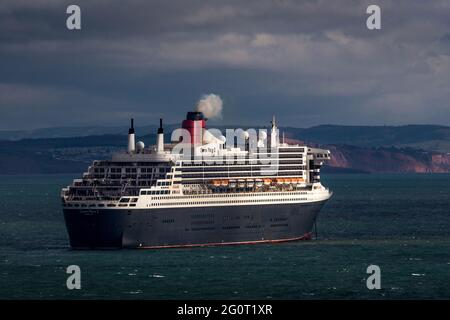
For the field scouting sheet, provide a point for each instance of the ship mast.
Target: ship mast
(273, 133)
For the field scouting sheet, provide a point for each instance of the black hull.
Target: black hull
(181, 227)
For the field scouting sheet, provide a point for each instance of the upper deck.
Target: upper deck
(211, 165)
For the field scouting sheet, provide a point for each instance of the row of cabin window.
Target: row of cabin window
(128, 170)
(217, 195)
(91, 205)
(282, 163)
(212, 175)
(128, 199)
(221, 202)
(153, 192)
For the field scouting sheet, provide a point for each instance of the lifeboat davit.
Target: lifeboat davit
(216, 183)
(300, 182)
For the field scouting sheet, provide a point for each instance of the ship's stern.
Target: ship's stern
(94, 229)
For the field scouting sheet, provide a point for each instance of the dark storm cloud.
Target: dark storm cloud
(310, 62)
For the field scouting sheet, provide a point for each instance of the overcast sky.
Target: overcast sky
(308, 62)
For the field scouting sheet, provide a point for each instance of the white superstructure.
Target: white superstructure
(211, 174)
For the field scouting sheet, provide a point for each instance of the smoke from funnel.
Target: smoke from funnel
(210, 105)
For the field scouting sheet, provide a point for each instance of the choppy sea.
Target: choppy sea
(400, 222)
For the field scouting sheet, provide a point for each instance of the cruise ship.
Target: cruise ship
(201, 189)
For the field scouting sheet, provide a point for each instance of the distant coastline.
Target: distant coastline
(354, 149)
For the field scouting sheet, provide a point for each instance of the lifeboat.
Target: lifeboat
(232, 184)
(250, 183)
(216, 183)
(224, 183)
(279, 180)
(241, 183)
(300, 182)
(267, 182)
(259, 183)
(287, 181)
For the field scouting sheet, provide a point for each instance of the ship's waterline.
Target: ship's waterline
(177, 227)
(159, 197)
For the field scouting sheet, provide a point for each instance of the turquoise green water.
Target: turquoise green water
(399, 222)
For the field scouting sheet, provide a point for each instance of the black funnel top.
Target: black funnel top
(131, 130)
(195, 115)
(160, 129)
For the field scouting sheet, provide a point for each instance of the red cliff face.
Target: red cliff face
(384, 159)
(441, 162)
(388, 159)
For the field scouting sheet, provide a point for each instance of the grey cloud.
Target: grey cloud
(311, 61)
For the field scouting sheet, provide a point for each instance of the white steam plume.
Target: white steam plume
(210, 105)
